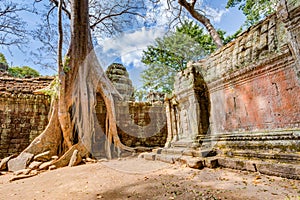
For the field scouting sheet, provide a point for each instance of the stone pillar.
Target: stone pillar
(184, 116)
(169, 123)
(194, 116)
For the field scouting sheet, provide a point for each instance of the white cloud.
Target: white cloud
(128, 46)
(215, 14)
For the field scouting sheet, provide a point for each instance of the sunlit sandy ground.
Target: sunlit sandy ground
(134, 178)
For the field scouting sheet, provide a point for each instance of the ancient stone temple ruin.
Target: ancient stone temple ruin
(24, 114)
(237, 108)
(139, 124)
(242, 102)
(119, 76)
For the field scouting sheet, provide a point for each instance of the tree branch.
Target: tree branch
(202, 19)
(64, 8)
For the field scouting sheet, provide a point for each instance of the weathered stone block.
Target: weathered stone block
(167, 158)
(4, 161)
(232, 163)
(211, 162)
(283, 170)
(20, 162)
(196, 163)
(149, 156)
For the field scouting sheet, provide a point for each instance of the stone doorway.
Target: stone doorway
(202, 96)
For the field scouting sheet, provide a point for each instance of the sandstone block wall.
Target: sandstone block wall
(139, 123)
(253, 88)
(252, 81)
(23, 115)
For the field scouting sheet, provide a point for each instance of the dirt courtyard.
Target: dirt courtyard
(133, 178)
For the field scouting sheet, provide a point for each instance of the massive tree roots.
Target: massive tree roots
(72, 126)
(73, 123)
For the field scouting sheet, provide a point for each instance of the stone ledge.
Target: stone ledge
(265, 167)
(284, 170)
(263, 135)
(190, 161)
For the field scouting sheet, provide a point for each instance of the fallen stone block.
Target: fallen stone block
(183, 160)
(250, 166)
(204, 153)
(4, 161)
(167, 158)
(187, 152)
(19, 162)
(141, 155)
(211, 162)
(149, 156)
(157, 151)
(196, 163)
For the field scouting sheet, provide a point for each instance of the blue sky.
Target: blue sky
(128, 46)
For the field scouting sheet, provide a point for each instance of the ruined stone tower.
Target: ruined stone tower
(118, 75)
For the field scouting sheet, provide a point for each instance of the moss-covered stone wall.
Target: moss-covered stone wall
(23, 115)
(139, 123)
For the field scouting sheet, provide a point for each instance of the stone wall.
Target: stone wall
(140, 124)
(23, 115)
(254, 78)
(188, 110)
(253, 92)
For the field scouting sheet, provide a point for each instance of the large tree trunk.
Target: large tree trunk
(73, 122)
(203, 20)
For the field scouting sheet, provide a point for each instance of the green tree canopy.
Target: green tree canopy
(254, 10)
(22, 72)
(3, 59)
(170, 54)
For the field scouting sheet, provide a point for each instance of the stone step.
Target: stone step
(193, 162)
(198, 163)
(173, 151)
(203, 153)
(185, 152)
(184, 144)
(147, 156)
(285, 170)
(167, 158)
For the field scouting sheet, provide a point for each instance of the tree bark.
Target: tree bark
(203, 20)
(73, 120)
(63, 112)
